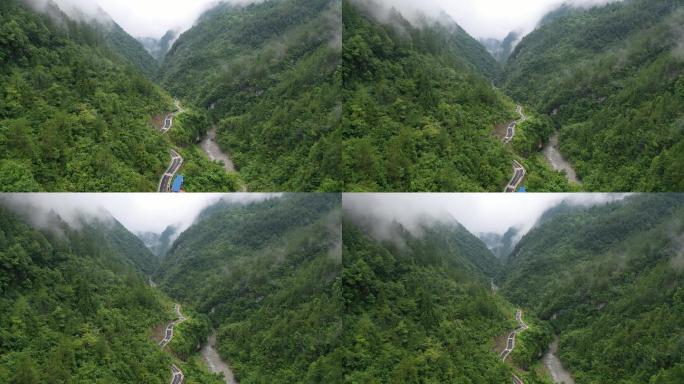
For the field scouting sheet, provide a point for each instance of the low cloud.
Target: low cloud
(483, 18)
(479, 213)
(138, 212)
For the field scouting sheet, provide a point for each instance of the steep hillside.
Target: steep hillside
(74, 116)
(112, 233)
(75, 308)
(417, 308)
(609, 279)
(502, 49)
(267, 73)
(158, 48)
(501, 245)
(267, 274)
(159, 243)
(419, 113)
(129, 49)
(612, 78)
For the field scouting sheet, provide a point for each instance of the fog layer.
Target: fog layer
(138, 212)
(479, 213)
(488, 18)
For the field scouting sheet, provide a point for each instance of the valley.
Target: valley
(571, 281)
(580, 93)
(108, 142)
(333, 95)
(86, 288)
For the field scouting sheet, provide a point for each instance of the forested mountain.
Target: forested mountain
(268, 275)
(502, 49)
(610, 279)
(268, 73)
(129, 49)
(159, 243)
(501, 245)
(612, 77)
(419, 112)
(418, 306)
(74, 304)
(74, 116)
(158, 48)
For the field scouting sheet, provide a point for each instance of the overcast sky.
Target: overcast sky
(478, 212)
(481, 18)
(152, 18)
(490, 18)
(138, 212)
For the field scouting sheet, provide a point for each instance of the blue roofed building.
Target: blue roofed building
(522, 189)
(177, 184)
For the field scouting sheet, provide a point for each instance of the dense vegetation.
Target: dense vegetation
(267, 274)
(268, 73)
(73, 116)
(75, 306)
(419, 113)
(609, 279)
(418, 308)
(613, 79)
(72, 309)
(159, 243)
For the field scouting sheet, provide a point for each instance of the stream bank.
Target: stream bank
(553, 364)
(214, 362)
(557, 161)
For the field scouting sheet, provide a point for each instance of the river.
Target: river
(554, 365)
(214, 362)
(557, 161)
(212, 149)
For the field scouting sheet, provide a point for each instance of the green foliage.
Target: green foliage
(413, 313)
(531, 343)
(541, 178)
(612, 79)
(610, 279)
(73, 308)
(73, 115)
(189, 334)
(418, 114)
(267, 273)
(268, 74)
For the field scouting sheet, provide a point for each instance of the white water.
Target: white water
(214, 362)
(557, 161)
(212, 149)
(555, 367)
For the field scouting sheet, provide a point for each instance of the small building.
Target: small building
(522, 189)
(177, 184)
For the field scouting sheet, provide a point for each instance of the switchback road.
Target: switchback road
(168, 120)
(168, 335)
(518, 175)
(176, 159)
(510, 131)
(178, 376)
(518, 170)
(167, 177)
(510, 343)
